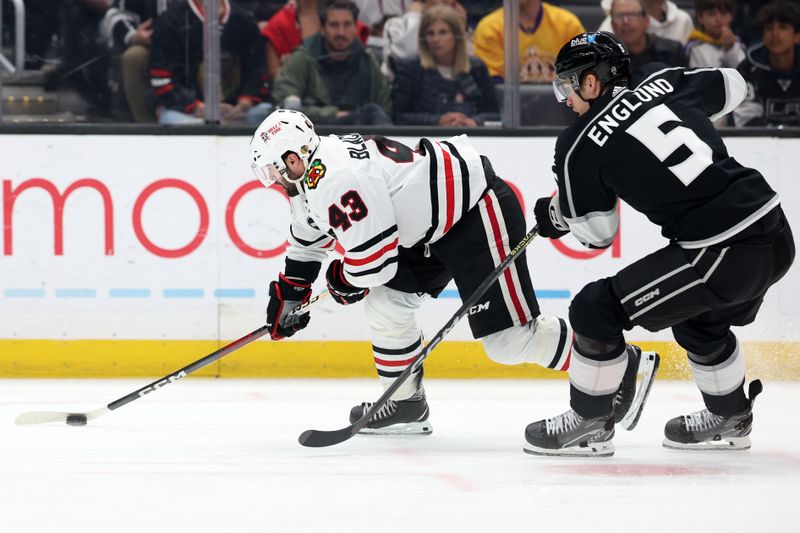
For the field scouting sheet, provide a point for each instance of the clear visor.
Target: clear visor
(266, 175)
(562, 88)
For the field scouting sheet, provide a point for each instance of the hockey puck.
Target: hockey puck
(76, 420)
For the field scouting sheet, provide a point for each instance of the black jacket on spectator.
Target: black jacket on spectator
(773, 98)
(658, 50)
(421, 96)
(176, 54)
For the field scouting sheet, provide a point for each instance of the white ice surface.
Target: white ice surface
(222, 456)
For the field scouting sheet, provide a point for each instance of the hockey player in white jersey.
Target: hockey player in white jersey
(409, 220)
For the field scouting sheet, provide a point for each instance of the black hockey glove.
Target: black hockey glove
(548, 218)
(284, 295)
(340, 289)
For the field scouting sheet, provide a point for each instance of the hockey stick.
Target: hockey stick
(315, 438)
(80, 419)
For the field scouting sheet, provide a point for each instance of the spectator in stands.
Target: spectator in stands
(544, 29)
(667, 20)
(332, 77)
(444, 86)
(401, 33)
(177, 70)
(772, 70)
(713, 43)
(128, 29)
(630, 23)
(289, 27)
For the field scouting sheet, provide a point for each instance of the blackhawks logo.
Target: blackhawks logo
(315, 172)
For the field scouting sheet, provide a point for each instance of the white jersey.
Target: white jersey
(375, 195)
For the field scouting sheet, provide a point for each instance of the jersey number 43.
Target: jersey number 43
(354, 210)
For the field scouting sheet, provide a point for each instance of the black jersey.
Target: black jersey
(655, 147)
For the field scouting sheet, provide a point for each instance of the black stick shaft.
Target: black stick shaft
(205, 361)
(188, 369)
(316, 439)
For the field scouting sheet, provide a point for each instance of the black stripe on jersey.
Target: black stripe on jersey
(397, 351)
(305, 242)
(369, 243)
(395, 373)
(376, 269)
(428, 146)
(562, 340)
(464, 178)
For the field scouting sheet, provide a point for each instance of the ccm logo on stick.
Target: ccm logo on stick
(478, 308)
(646, 298)
(167, 381)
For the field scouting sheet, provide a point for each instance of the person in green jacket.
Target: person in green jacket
(332, 77)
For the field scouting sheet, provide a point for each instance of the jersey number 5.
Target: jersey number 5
(647, 130)
(356, 210)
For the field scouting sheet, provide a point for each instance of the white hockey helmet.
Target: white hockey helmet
(284, 130)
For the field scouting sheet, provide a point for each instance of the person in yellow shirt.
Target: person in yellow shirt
(544, 28)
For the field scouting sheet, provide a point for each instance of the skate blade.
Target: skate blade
(648, 367)
(411, 428)
(592, 449)
(729, 444)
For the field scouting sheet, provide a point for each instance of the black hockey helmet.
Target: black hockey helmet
(599, 52)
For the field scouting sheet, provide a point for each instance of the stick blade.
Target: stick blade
(40, 417)
(314, 438)
(48, 417)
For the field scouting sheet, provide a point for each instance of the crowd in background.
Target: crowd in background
(380, 62)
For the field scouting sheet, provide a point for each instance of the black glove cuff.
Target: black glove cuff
(307, 270)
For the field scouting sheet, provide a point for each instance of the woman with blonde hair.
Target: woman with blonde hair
(444, 86)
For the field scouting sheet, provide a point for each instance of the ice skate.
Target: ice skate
(629, 400)
(703, 430)
(570, 435)
(403, 417)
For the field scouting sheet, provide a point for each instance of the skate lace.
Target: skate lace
(562, 423)
(385, 411)
(701, 420)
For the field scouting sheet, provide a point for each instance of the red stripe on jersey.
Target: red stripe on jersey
(501, 251)
(165, 89)
(160, 73)
(449, 187)
(358, 262)
(405, 362)
(569, 356)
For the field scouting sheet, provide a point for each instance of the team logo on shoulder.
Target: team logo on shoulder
(315, 172)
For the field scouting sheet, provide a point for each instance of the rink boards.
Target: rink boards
(135, 255)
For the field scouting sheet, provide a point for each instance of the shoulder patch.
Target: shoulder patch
(315, 172)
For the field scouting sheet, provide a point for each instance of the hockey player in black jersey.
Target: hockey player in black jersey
(655, 147)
